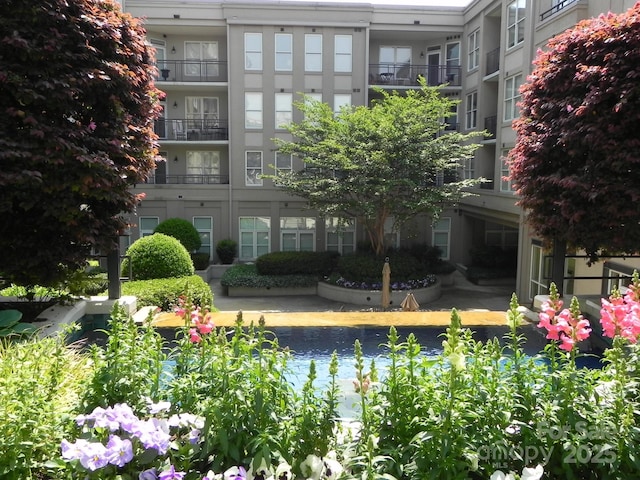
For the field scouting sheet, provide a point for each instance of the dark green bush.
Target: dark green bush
(227, 250)
(181, 230)
(246, 275)
(297, 263)
(164, 292)
(367, 267)
(200, 260)
(157, 256)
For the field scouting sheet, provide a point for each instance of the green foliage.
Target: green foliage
(246, 275)
(158, 256)
(367, 267)
(200, 260)
(574, 163)
(76, 132)
(293, 263)
(41, 382)
(10, 324)
(182, 230)
(166, 292)
(373, 163)
(227, 249)
(129, 369)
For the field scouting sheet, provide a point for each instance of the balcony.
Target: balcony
(555, 8)
(390, 74)
(191, 129)
(159, 179)
(192, 71)
(491, 126)
(493, 61)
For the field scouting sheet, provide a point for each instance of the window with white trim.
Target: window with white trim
(340, 235)
(441, 237)
(284, 110)
(394, 61)
(313, 52)
(343, 61)
(341, 100)
(253, 110)
(253, 51)
(283, 162)
(297, 234)
(469, 168)
(506, 185)
(473, 46)
(161, 55)
(453, 62)
(284, 52)
(201, 59)
(254, 237)
(540, 271)
(515, 22)
(203, 167)
(471, 106)
(204, 226)
(147, 225)
(202, 113)
(512, 97)
(253, 169)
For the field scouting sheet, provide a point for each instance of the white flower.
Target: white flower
(532, 473)
(498, 475)
(312, 467)
(332, 468)
(261, 471)
(284, 471)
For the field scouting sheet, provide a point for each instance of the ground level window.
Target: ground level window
(254, 237)
(298, 234)
(540, 271)
(441, 237)
(340, 235)
(204, 226)
(147, 225)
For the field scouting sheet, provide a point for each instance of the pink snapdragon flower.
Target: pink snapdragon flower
(568, 326)
(620, 314)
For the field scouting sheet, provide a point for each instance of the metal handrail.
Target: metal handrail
(409, 75)
(191, 71)
(192, 129)
(159, 179)
(556, 8)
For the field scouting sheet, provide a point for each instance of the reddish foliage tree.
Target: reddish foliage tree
(76, 132)
(576, 163)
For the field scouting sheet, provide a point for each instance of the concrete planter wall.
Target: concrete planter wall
(373, 297)
(269, 292)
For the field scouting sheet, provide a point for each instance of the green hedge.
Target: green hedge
(157, 256)
(164, 292)
(297, 263)
(367, 267)
(247, 276)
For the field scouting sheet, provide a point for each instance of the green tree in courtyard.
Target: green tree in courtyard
(76, 132)
(392, 159)
(576, 163)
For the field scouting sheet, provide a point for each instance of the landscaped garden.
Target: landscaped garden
(218, 402)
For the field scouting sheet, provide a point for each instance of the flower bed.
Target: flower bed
(357, 296)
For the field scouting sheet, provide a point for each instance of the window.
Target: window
(505, 183)
(201, 59)
(341, 100)
(313, 52)
(147, 225)
(284, 52)
(253, 110)
(298, 234)
(204, 226)
(253, 51)
(616, 276)
(469, 168)
(501, 236)
(453, 63)
(471, 111)
(284, 109)
(340, 235)
(512, 97)
(391, 235)
(202, 113)
(452, 120)
(159, 175)
(515, 23)
(254, 237)
(394, 62)
(253, 168)
(473, 46)
(203, 167)
(161, 55)
(343, 48)
(441, 237)
(540, 271)
(284, 162)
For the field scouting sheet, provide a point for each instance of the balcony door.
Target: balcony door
(201, 60)
(395, 62)
(202, 113)
(433, 68)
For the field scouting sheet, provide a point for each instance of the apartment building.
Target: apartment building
(231, 71)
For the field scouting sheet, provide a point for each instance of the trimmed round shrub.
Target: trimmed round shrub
(157, 256)
(182, 230)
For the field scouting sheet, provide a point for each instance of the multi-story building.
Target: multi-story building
(231, 71)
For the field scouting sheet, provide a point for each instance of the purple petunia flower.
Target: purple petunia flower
(119, 451)
(93, 456)
(171, 474)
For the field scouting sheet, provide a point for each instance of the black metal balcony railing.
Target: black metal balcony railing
(192, 129)
(493, 61)
(159, 179)
(556, 8)
(491, 126)
(191, 71)
(408, 75)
